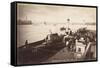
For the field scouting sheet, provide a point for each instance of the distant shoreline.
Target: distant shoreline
(24, 22)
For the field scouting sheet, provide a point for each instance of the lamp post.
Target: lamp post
(68, 20)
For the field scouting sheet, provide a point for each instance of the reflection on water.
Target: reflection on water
(34, 33)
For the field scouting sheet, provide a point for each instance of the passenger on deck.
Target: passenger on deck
(26, 42)
(69, 31)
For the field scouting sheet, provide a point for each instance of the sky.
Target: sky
(55, 14)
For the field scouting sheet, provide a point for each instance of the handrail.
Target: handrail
(87, 48)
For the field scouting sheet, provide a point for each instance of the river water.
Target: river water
(34, 33)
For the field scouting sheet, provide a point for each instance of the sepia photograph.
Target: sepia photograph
(48, 33)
